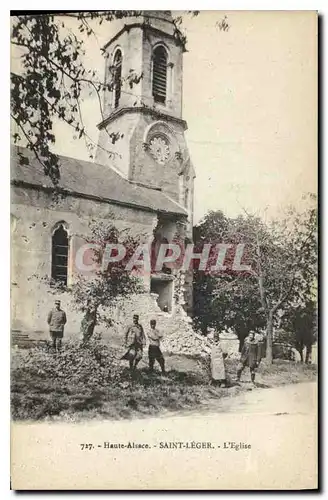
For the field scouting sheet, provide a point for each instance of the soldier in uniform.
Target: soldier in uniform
(250, 356)
(154, 350)
(56, 321)
(135, 341)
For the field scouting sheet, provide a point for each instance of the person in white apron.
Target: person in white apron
(218, 371)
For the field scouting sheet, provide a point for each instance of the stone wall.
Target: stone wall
(138, 117)
(33, 218)
(134, 160)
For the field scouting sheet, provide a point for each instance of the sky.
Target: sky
(250, 102)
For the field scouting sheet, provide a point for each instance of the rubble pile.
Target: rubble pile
(184, 341)
(179, 335)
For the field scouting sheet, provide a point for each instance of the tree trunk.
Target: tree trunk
(88, 324)
(269, 332)
(308, 354)
(204, 329)
(241, 334)
(300, 347)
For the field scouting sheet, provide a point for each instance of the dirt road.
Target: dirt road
(286, 400)
(261, 439)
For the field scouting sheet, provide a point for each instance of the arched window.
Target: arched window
(117, 77)
(59, 261)
(159, 74)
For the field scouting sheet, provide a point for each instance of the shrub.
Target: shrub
(44, 383)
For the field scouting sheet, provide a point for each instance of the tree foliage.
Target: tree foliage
(300, 324)
(52, 80)
(282, 255)
(225, 300)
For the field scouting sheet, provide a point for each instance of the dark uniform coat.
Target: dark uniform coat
(250, 354)
(56, 321)
(135, 340)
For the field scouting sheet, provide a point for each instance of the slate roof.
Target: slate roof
(94, 180)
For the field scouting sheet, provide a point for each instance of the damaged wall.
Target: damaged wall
(34, 215)
(33, 218)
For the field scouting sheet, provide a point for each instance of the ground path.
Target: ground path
(289, 399)
(279, 426)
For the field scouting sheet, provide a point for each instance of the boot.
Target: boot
(162, 365)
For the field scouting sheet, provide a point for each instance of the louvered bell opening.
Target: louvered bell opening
(159, 75)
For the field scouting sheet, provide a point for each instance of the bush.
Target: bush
(282, 350)
(44, 383)
(87, 382)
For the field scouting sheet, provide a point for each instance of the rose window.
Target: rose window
(159, 149)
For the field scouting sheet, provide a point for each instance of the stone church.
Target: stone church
(146, 185)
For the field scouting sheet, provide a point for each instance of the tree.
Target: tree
(227, 303)
(226, 299)
(52, 79)
(285, 263)
(282, 255)
(300, 323)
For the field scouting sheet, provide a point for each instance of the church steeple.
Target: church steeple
(144, 105)
(145, 61)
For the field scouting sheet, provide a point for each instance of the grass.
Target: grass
(38, 396)
(283, 372)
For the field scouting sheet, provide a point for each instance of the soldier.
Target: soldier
(250, 356)
(56, 321)
(135, 341)
(154, 350)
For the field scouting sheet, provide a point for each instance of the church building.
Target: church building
(145, 185)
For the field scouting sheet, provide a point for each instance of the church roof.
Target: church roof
(92, 180)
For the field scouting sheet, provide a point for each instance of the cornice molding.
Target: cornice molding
(143, 110)
(144, 26)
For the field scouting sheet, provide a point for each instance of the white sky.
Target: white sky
(251, 106)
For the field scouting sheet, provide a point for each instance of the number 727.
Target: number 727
(85, 446)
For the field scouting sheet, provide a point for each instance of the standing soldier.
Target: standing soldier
(135, 341)
(56, 321)
(250, 356)
(154, 350)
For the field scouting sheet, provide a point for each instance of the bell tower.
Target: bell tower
(142, 124)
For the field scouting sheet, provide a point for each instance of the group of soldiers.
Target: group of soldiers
(135, 342)
(135, 338)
